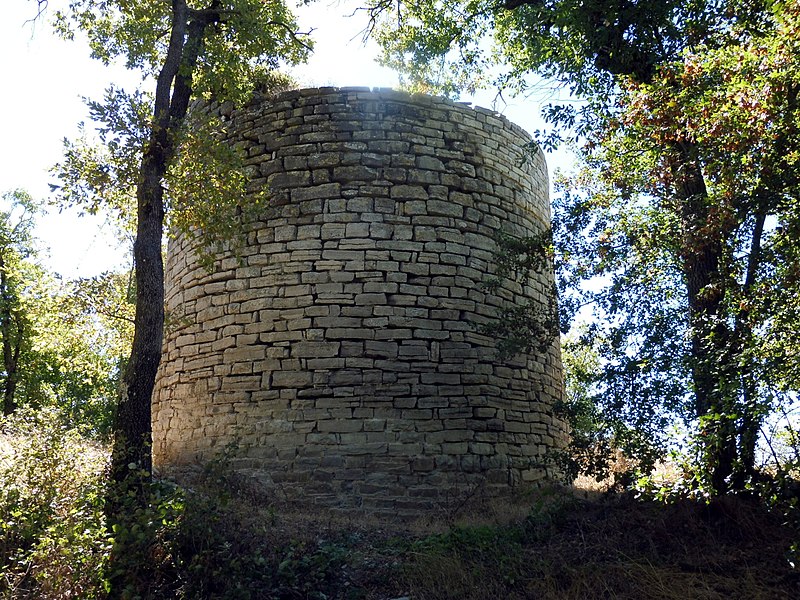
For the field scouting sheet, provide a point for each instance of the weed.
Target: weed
(51, 500)
(221, 538)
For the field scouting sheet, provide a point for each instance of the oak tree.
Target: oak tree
(684, 215)
(189, 49)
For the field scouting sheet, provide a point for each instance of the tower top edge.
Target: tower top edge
(380, 94)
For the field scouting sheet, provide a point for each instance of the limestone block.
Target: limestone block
(339, 425)
(315, 349)
(408, 192)
(291, 379)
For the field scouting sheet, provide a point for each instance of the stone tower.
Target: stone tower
(339, 354)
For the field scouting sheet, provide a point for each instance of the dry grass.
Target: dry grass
(558, 544)
(618, 547)
(553, 545)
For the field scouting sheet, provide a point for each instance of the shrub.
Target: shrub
(53, 542)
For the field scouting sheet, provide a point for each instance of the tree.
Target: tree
(711, 139)
(84, 337)
(192, 49)
(56, 352)
(685, 212)
(16, 241)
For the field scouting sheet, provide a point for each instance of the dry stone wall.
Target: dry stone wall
(339, 354)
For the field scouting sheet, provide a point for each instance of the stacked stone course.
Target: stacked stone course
(339, 352)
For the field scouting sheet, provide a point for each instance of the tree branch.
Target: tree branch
(294, 34)
(172, 64)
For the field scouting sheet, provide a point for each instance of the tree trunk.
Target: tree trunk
(701, 255)
(132, 425)
(12, 341)
(132, 457)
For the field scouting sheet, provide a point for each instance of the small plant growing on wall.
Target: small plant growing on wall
(528, 327)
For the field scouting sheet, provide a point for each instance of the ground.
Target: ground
(211, 534)
(557, 543)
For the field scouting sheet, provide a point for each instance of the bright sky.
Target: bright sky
(45, 79)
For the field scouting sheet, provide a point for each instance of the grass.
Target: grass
(221, 536)
(611, 545)
(614, 547)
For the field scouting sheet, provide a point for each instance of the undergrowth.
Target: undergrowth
(218, 536)
(53, 542)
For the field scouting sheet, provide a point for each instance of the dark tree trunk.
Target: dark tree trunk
(132, 457)
(12, 331)
(701, 254)
(132, 424)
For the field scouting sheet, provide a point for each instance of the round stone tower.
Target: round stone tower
(340, 354)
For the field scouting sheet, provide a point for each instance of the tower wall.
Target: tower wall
(339, 354)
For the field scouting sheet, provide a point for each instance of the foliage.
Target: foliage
(91, 330)
(108, 299)
(522, 327)
(692, 184)
(607, 439)
(182, 543)
(53, 540)
(680, 228)
(251, 37)
(249, 40)
(456, 45)
(60, 353)
(100, 174)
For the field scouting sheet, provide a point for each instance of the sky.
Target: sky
(46, 79)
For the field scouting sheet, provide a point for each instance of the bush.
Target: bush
(53, 543)
(181, 543)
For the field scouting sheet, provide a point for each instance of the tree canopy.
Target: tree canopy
(684, 214)
(57, 350)
(189, 50)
